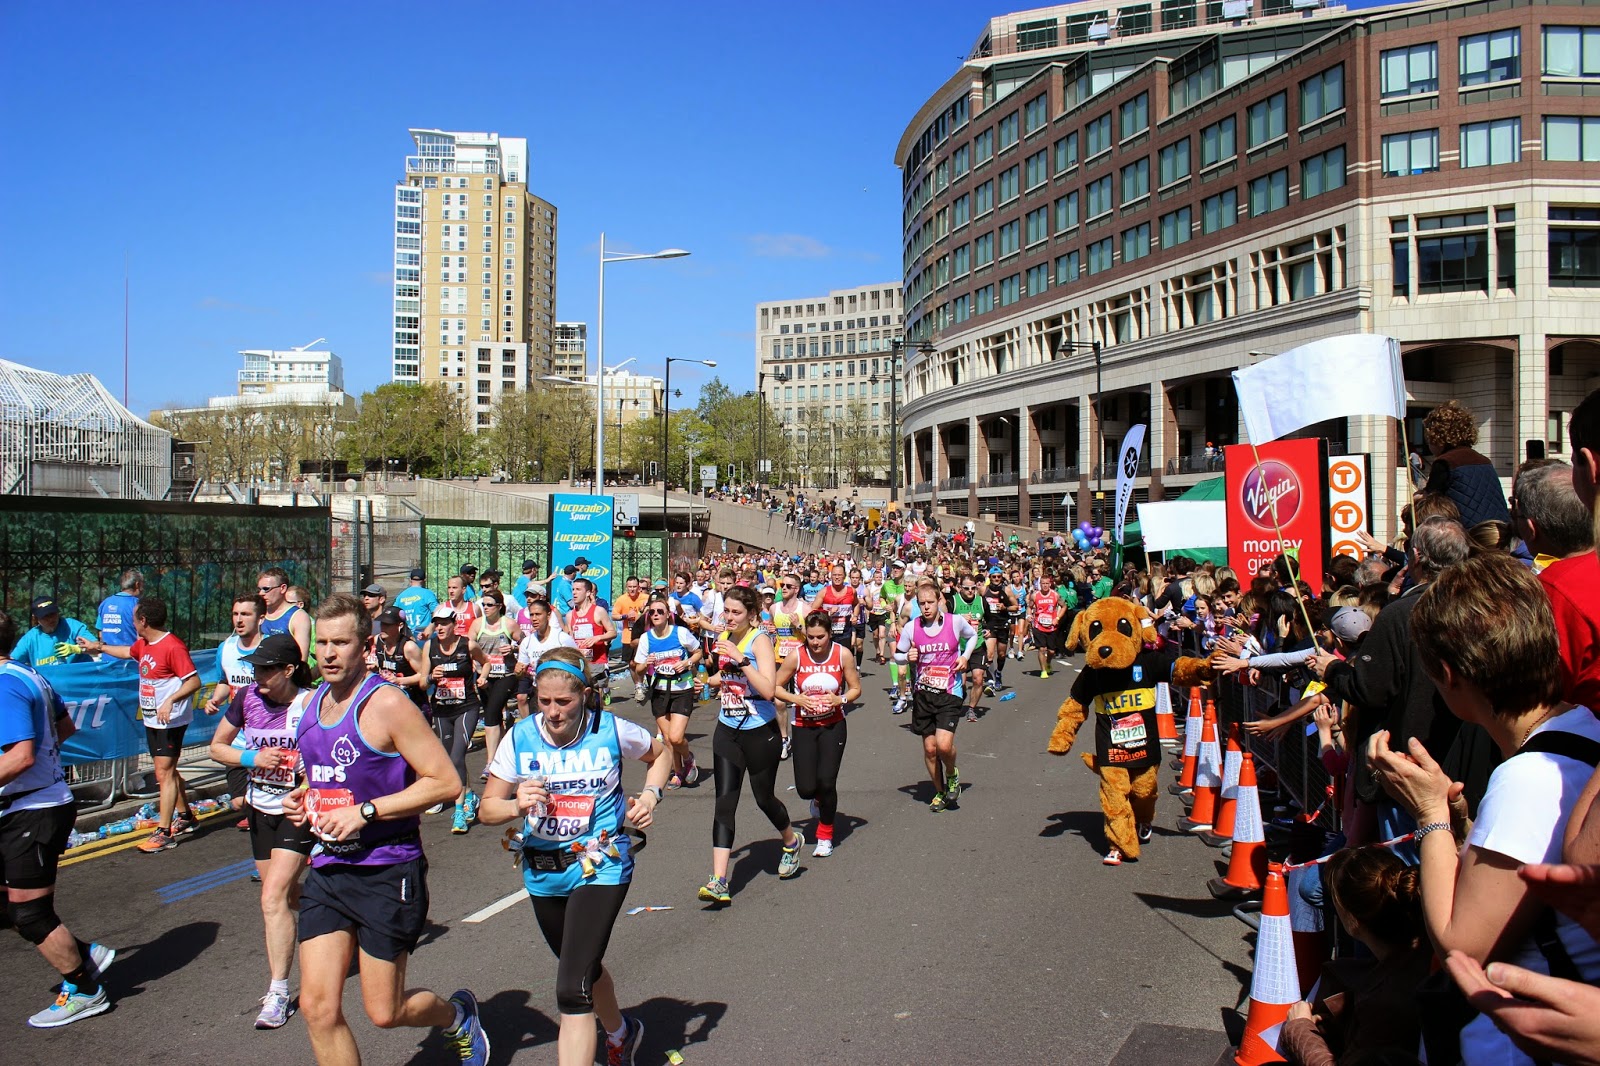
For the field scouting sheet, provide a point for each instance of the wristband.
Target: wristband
(1429, 827)
(247, 758)
(653, 790)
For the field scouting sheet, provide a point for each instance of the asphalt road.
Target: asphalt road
(986, 933)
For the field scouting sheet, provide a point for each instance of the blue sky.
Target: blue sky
(242, 159)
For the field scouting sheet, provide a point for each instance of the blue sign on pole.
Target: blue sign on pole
(580, 528)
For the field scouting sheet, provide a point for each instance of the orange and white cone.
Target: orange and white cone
(1310, 942)
(1275, 984)
(1166, 725)
(1193, 728)
(1248, 863)
(1221, 831)
(1207, 780)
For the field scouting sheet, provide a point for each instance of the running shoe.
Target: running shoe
(242, 825)
(937, 804)
(952, 786)
(788, 748)
(160, 840)
(715, 891)
(460, 823)
(1043, 674)
(275, 1011)
(691, 774)
(70, 1006)
(988, 688)
(675, 781)
(184, 824)
(972, 714)
(471, 1042)
(437, 808)
(621, 1053)
(823, 849)
(473, 802)
(1113, 858)
(789, 862)
(639, 694)
(1145, 833)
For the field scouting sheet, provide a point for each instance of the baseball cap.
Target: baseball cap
(468, 568)
(444, 614)
(529, 564)
(45, 605)
(580, 561)
(374, 590)
(417, 575)
(1350, 623)
(390, 616)
(569, 570)
(279, 649)
(768, 590)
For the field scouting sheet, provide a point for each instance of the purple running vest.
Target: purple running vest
(345, 771)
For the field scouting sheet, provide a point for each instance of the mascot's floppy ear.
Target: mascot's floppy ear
(1075, 634)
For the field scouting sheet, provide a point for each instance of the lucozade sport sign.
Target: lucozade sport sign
(1290, 479)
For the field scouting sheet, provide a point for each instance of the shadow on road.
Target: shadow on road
(1090, 825)
(511, 1024)
(754, 859)
(922, 791)
(140, 964)
(673, 1024)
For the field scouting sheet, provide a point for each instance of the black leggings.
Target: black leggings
(496, 694)
(455, 729)
(818, 751)
(578, 928)
(733, 753)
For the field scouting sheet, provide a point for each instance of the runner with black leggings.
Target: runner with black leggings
(498, 636)
(746, 738)
(454, 701)
(819, 680)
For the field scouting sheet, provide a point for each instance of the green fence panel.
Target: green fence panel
(512, 544)
(448, 546)
(197, 557)
(643, 555)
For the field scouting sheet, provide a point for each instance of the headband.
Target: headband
(557, 664)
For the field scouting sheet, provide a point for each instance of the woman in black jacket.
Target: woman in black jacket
(1460, 472)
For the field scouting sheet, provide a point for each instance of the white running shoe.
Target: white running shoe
(823, 849)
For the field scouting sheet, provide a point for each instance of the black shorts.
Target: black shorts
(1051, 640)
(238, 781)
(932, 711)
(385, 906)
(979, 658)
(274, 832)
(664, 702)
(31, 843)
(164, 743)
(1000, 631)
(496, 697)
(877, 621)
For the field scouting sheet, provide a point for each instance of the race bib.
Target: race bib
(565, 818)
(934, 678)
(1128, 731)
(280, 778)
(320, 802)
(816, 707)
(497, 665)
(583, 631)
(452, 689)
(147, 696)
(734, 702)
(787, 646)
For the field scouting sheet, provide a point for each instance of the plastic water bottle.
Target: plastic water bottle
(149, 810)
(1008, 696)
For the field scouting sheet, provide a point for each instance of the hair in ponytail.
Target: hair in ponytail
(1380, 891)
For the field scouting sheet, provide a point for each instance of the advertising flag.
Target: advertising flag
(1336, 377)
(1127, 471)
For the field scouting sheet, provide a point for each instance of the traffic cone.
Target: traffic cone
(1274, 984)
(1207, 780)
(1221, 831)
(1248, 862)
(1192, 729)
(1310, 941)
(1166, 725)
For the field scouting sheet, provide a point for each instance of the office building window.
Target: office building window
(1097, 135)
(1136, 180)
(1416, 152)
(1066, 153)
(1268, 120)
(1010, 290)
(1101, 256)
(1322, 173)
(1322, 95)
(1269, 193)
(1010, 238)
(1176, 227)
(1220, 211)
(1100, 201)
(1010, 184)
(1574, 252)
(1066, 212)
(983, 300)
(1136, 242)
(1571, 52)
(1409, 71)
(1008, 131)
(1572, 139)
(983, 250)
(1038, 223)
(1217, 142)
(983, 199)
(1175, 162)
(1491, 57)
(1037, 113)
(1038, 279)
(983, 147)
(1067, 268)
(1486, 144)
(1037, 169)
(1133, 117)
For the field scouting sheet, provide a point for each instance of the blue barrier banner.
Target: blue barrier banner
(581, 527)
(103, 699)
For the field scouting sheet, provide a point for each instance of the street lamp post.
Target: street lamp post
(1063, 347)
(896, 350)
(600, 351)
(666, 432)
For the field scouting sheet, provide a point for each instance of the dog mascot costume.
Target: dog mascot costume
(1117, 686)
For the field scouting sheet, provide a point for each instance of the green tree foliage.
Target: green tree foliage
(420, 429)
(541, 435)
(268, 442)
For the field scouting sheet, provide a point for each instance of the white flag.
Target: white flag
(1127, 470)
(1357, 374)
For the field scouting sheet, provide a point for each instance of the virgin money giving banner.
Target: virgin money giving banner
(103, 700)
(581, 528)
(1291, 477)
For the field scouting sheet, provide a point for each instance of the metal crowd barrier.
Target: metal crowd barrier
(99, 785)
(1292, 755)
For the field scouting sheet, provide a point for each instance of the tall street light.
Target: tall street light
(600, 350)
(666, 433)
(780, 377)
(1062, 348)
(599, 400)
(896, 351)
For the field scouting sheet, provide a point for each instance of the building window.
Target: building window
(1100, 202)
(1490, 57)
(1322, 95)
(1038, 279)
(1453, 261)
(1175, 162)
(1100, 256)
(1411, 153)
(1066, 212)
(1136, 181)
(1574, 251)
(1037, 112)
(1217, 142)
(1220, 211)
(1177, 14)
(1037, 169)
(1486, 144)
(1010, 290)
(1133, 117)
(1010, 184)
(1032, 36)
(1176, 228)
(1097, 135)
(1322, 173)
(1571, 138)
(1571, 52)
(960, 214)
(1067, 268)
(961, 161)
(960, 261)
(1269, 193)
(983, 199)
(1038, 221)
(1268, 120)
(1136, 242)
(983, 250)
(1010, 238)
(983, 147)
(983, 300)
(1008, 131)
(1066, 153)
(1409, 71)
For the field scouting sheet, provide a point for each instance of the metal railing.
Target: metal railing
(1054, 474)
(1291, 754)
(950, 484)
(921, 486)
(1195, 464)
(1000, 480)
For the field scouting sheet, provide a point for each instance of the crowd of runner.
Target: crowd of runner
(1448, 679)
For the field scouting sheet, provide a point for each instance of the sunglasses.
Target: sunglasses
(267, 588)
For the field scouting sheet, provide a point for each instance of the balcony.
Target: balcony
(1054, 475)
(1107, 470)
(1195, 464)
(953, 484)
(996, 481)
(921, 487)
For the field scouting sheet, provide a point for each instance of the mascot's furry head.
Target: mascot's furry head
(1110, 632)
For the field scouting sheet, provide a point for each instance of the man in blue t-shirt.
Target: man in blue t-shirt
(53, 640)
(519, 591)
(561, 589)
(115, 617)
(417, 602)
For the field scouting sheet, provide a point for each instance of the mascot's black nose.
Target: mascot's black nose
(1105, 651)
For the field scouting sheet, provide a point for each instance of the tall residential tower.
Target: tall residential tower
(474, 269)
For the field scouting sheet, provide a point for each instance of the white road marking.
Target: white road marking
(495, 908)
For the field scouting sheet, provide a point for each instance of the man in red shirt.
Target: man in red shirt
(1573, 581)
(167, 684)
